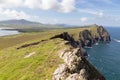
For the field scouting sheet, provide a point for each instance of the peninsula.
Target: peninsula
(57, 54)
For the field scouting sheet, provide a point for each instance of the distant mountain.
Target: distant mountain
(21, 21)
(65, 25)
(27, 26)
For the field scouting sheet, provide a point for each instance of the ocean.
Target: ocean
(7, 32)
(106, 57)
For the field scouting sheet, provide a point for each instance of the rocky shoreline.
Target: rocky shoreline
(76, 66)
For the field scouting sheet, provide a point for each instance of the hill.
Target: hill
(51, 55)
(23, 25)
(16, 22)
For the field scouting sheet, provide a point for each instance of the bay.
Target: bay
(4, 32)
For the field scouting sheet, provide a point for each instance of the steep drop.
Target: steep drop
(76, 66)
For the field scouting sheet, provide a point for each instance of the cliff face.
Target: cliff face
(87, 37)
(37, 57)
(76, 66)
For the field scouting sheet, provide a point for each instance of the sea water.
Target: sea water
(7, 32)
(106, 57)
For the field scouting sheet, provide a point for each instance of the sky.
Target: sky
(72, 12)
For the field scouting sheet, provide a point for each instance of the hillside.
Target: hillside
(23, 25)
(51, 55)
(20, 21)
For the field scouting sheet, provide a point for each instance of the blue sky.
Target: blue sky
(72, 12)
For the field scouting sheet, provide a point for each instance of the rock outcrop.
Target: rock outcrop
(66, 37)
(87, 37)
(76, 66)
(103, 34)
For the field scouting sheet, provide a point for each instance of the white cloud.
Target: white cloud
(63, 6)
(97, 13)
(15, 14)
(41, 4)
(100, 14)
(32, 3)
(48, 4)
(10, 3)
(83, 19)
(67, 5)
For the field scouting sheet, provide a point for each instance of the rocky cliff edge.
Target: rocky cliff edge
(76, 66)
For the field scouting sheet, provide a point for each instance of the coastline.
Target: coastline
(71, 46)
(8, 32)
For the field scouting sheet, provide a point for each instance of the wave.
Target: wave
(117, 40)
(88, 55)
(96, 43)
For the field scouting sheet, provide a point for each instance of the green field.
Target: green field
(35, 62)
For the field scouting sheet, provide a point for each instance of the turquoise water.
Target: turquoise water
(106, 57)
(8, 32)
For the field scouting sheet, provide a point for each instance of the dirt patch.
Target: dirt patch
(29, 55)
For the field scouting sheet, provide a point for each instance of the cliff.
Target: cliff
(86, 37)
(56, 54)
(76, 66)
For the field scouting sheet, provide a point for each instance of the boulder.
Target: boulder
(60, 73)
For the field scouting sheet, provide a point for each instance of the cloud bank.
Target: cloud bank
(62, 6)
(78, 10)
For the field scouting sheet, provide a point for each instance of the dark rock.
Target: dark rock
(103, 34)
(66, 37)
(87, 39)
(76, 66)
(30, 44)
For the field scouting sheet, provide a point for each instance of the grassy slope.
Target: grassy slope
(9, 41)
(40, 66)
(14, 65)
(30, 27)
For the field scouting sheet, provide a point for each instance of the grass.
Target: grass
(9, 41)
(41, 65)
(21, 38)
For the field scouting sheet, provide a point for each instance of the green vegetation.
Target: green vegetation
(36, 62)
(9, 41)
(23, 25)
(14, 65)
